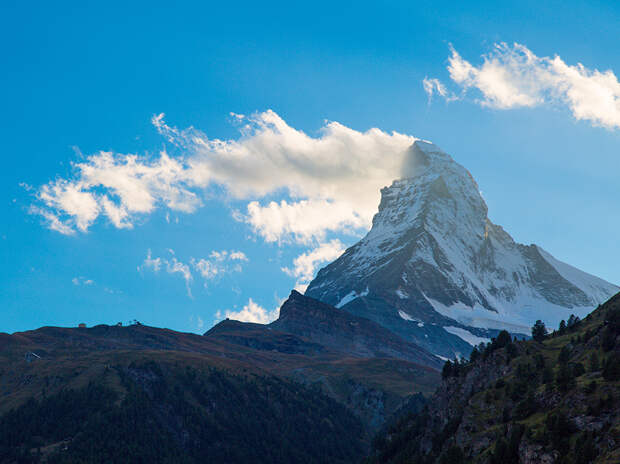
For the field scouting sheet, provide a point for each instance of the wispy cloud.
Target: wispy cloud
(514, 77)
(306, 264)
(82, 281)
(251, 312)
(219, 263)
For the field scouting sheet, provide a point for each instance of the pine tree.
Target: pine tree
(539, 331)
(562, 327)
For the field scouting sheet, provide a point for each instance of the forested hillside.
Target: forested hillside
(553, 399)
(154, 410)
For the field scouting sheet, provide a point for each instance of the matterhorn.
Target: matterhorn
(435, 270)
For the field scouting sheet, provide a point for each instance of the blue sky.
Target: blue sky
(80, 78)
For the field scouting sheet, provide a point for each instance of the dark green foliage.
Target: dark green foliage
(453, 455)
(525, 407)
(612, 329)
(475, 355)
(184, 416)
(585, 449)
(608, 339)
(572, 321)
(503, 339)
(539, 331)
(578, 369)
(562, 327)
(559, 428)
(447, 370)
(611, 367)
(591, 387)
(511, 351)
(564, 378)
(539, 362)
(506, 449)
(595, 364)
(547, 375)
(564, 356)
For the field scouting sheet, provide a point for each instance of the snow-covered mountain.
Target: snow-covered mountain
(434, 268)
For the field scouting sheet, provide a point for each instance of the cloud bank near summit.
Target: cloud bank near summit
(331, 181)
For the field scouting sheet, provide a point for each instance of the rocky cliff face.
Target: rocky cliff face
(346, 333)
(434, 268)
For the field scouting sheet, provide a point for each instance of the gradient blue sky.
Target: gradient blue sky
(82, 77)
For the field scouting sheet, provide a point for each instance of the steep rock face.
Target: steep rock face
(346, 333)
(434, 268)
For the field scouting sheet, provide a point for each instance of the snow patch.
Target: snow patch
(466, 335)
(402, 294)
(350, 297)
(515, 317)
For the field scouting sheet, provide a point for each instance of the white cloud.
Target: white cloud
(434, 86)
(513, 77)
(152, 263)
(219, 262)
(206, 268)
(238, 256)
(306, 264)
(177, 267)
(82, 281)
(251, 312)
(304, 221)
(336, 174)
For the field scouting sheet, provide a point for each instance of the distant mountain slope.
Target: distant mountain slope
(435, 270)
(344, 332)
(524, 402)
(354, 360)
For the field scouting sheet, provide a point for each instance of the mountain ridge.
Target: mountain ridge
(434, 259)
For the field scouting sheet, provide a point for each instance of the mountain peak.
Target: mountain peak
(437, 271)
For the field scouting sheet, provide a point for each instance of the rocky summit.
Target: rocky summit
(435, 270)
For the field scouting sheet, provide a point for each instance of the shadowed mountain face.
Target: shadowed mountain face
(435, 270)
(346, 333)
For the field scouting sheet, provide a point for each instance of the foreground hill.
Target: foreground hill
(523, 402)
(240, 393)
(436, 271)
(174, 407)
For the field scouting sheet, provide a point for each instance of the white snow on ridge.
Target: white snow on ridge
(407, 317)
(517, 316)
(350, 297)
(466, 335)
(591, 285)
(402, 294)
